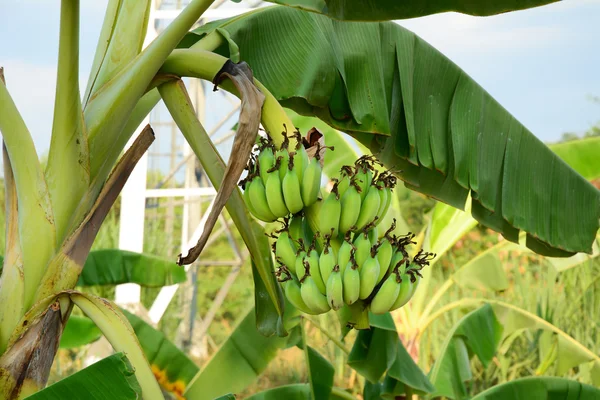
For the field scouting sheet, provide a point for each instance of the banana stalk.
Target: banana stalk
(68, 170)
(12, 283)
(37, 233)
(181, 109)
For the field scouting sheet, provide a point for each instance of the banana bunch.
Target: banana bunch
(281, 182)
(376, 272)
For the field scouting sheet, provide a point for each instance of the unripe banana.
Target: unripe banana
(296, 228)
(258, 199)
(291, 288)
(384, 257)
(299, 264)
(329, 215)
(351, 283)
(313, 298)
(350, 209)
(346, 174)
(363, 249)
(384, 194)
(247, 200)
(327, 261)
(368, 208)
(397, 257)
(312, 259)
(364, 178)
(335, 291)
(368, 277)
(286, 251)
(300, 160)
(387, 295)
(311, 182)
(291, 189)
(275, 195)
(284, 156)
(373, 235)
(344, 254)
(404, 294)
(266, 161)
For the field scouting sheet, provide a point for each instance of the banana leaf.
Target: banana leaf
(581, 155)
(79, 331)
(113, 267)
(174, 370)
(382, 10)
(320, 371)
(111, 378)
(239, 361)
(540, 387)
(484, 272)
(422, 116)
(297, 392)
(479, 333)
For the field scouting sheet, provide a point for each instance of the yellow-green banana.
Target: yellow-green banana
(284, 156)
(312, 296)
(350, 208)
(329, 214)
(285, 250)
(296, 228)
(364, 177)
(265, 161)
(386, 295)
(363, 248)
(368, 208)
(384, 257)
(300, 258)
(351, 282)
(275, 195)
(311, 182)
(344, 253)
(346, 174)
(335, 291)
(291, 188)
(312, 259)
(384, 199)
(368, 276)
(327, 260)
(258, 199)
(404, 294)
(291, 288)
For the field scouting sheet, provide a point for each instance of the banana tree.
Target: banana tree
(372, 80)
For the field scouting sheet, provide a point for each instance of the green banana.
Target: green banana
(327, 260)
(291, 288)
(384, 200)
(373, 234)
(312, 259)
(266, 161)
(363, 248)
(368, 208)
(284, 156)
(311, 182)
(329, 215)
(346, 173)
(296, 228)
(335, 292)
(258, 199)
(312, 296)
(291, 188)
(404, 294)
(275, 195)
(344, 253)
(364, 177)
(386, 296)
(350, 208)
(351, 282)
(246, 196)
(368, 276)
(384, 257)
(300, 160)
(285, 250)
(300, 258)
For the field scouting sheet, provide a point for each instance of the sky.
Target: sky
(541, 64)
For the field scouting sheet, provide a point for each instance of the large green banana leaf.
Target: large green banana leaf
(478, 332)
(540, 387)
(382, 10)
(581, 155)
(113, 267)
(112, 378)
(173, 369)
(422, 116)
(297, 392)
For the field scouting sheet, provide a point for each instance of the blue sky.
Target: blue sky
(541, 64)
